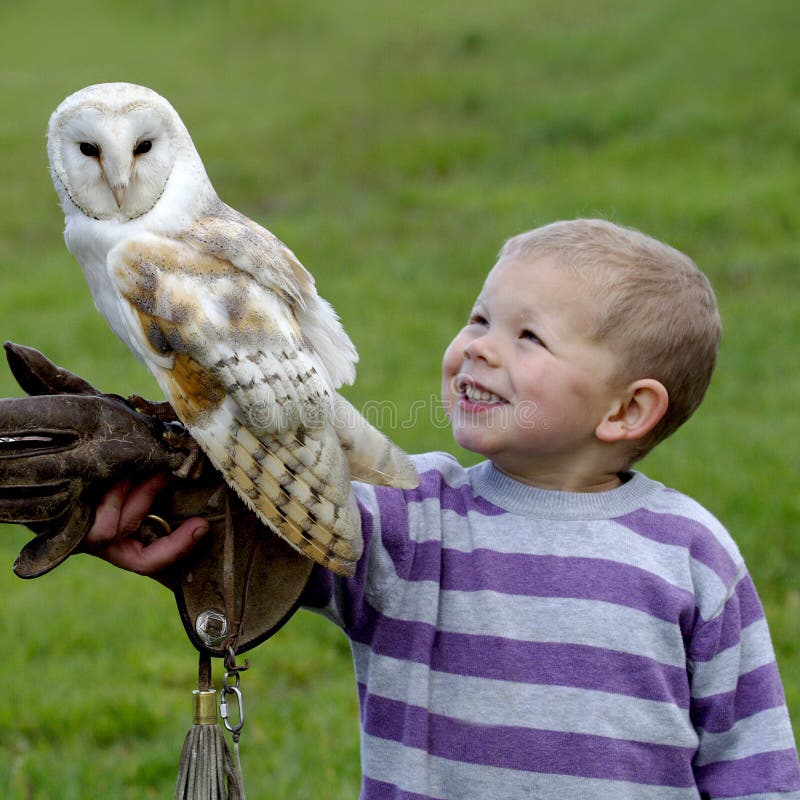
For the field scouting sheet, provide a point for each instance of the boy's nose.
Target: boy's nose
(482, 348)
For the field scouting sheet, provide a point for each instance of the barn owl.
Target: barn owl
(224, 316)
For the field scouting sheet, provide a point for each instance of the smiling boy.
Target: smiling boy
(551, 623)
(527, 388)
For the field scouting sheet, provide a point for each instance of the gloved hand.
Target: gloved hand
(66, 444)
(62, 447)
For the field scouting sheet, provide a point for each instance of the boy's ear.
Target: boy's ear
(636, 413)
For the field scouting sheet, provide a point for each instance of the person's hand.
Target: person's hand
(120, 514)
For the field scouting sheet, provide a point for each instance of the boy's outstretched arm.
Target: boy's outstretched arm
(118, 517)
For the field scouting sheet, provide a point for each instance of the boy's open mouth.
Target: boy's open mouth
(474, 392)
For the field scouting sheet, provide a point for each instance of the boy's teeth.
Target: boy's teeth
(473, 393)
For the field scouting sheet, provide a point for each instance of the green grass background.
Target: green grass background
(394, 146)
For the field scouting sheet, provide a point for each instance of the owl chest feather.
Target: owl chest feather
(90, 242)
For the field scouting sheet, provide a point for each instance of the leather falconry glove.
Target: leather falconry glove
(66, 444)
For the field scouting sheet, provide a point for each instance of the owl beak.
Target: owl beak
(117, 177)
(119, 193)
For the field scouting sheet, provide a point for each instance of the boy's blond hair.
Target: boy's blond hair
(655, 308)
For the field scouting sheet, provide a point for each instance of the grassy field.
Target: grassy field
(394, 146)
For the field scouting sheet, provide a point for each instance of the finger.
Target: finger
(137, 503)
(106, 519)
(133, 555)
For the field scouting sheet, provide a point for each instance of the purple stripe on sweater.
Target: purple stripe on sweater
(393, 508)
(393, 518)
(755, 691)
(527, 575)
(743, 608)
(760, 774)
(393, 503)
(550, 576)
(380, 790)
(432, 484)
(527, 749)
(670, 529)
(545, 663)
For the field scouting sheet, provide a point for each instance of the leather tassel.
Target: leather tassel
(206, 770)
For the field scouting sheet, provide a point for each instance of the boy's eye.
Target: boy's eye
(530, 336)
(478, 319)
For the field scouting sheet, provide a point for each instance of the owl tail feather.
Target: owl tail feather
(373, 457)
(297, 484)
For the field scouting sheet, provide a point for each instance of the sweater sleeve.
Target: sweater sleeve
(333, 596)
(384, 524)
(746, 746)
(388, 546)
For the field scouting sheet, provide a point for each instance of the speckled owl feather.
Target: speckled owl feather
(223, 314)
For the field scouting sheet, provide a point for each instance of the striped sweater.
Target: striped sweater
(512, 642)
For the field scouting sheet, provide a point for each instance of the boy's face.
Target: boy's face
(524, 385)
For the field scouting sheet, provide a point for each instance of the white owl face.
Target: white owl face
(112, 149)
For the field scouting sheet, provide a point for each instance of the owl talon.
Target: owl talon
(160, 410)
(192, 464)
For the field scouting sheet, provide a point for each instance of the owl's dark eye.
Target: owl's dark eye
(91, 150)
(143, 147)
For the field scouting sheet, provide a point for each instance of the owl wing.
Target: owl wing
(228, 348)
(226, 234)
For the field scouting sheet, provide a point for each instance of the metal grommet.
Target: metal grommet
(211, 626)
